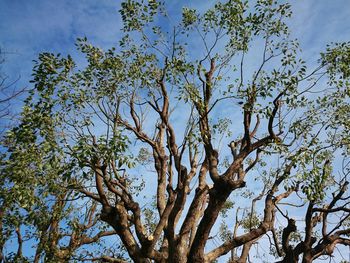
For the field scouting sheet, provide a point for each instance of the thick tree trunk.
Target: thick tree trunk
(116, 217)
(307, 258)
(218, 196)
(179, 255)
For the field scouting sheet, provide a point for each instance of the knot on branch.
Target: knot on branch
(234, 147)
(109, 215)
(209, 74)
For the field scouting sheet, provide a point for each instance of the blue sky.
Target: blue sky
(30, 27)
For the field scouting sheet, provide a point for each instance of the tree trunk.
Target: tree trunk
(217, 198)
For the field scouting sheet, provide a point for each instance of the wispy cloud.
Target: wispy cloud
(318, 23)
(30, 27)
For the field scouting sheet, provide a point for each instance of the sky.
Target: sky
(30, 27)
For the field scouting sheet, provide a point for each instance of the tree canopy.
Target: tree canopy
(190, 141)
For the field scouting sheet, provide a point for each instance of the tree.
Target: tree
(152, 116)
(35, 201)
(8, 93)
